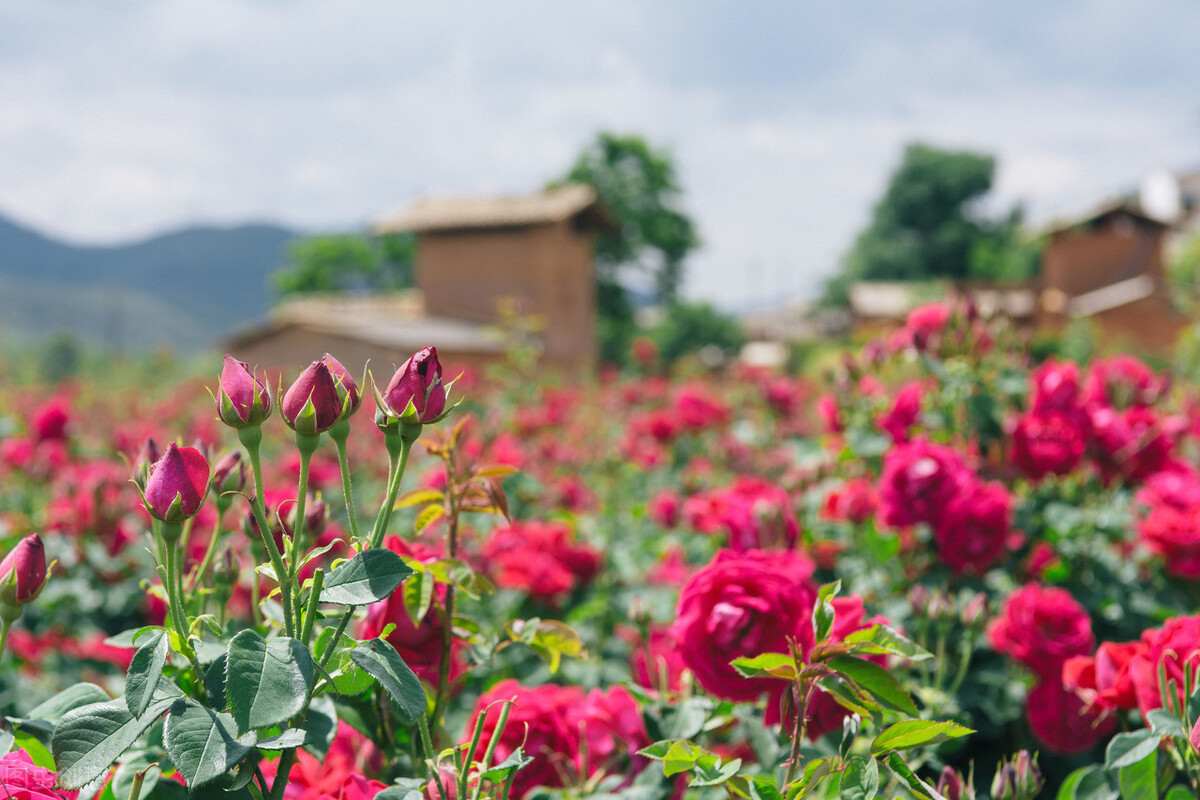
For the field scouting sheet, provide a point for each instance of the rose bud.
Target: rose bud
(243, 399)
(419, 382)
(202, 446)
(314, 516)
(23, 572)
(1019, 779)
(312, 404)
(144, 463)
(347, 389)
(226, 568)
(178, 484)
(229, 475)
(952, 786)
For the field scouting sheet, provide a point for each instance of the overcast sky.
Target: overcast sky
(120, 119)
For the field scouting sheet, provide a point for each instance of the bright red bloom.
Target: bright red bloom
(743, 604)
(972, 533)
(1041, 628)
(1062, 722)
(904, 412)
(178, 484)
(919, 480)
(541, 558)
(1048, 443)
(21, 779)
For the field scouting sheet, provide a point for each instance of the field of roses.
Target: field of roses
(939, 571)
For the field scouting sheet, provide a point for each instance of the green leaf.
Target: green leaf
(1165, 723)
(367, 578)
(682, 756)
(417, 497)
(201, 742)
(214, 683)
(1178, 793)
(823, 609)
(875, 681)
(88, 739)
(1139, 781)
(266, 682)
(320, 726)
(418, 596)
(145, 670)
(713, 773)
(1127, 749)
(292, 737)
(549, 638)
(901, 770)
(80, 694)
(658, 750)
(1087, 783)
(411, 791)
(771, 665)
(380, 659)
(917, 733)
(860, 779)
(515, 761)
(428, 516)
(881, 639)
(349, 679)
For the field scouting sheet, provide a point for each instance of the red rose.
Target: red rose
(24, 780)
(1121, 382)
(1055, 387)
(1175, 646)
(1130, 444)
(830, 414)
(541, 558)
(919, 480)
(611, 725)
(664, 507)
(540, 722)
(1062, 722)
(972, 533)
(904, 413)
(1047, 443)
(1174, 534)
(657, 665)
(1041, 628)
(1105, 679)
(743, 604)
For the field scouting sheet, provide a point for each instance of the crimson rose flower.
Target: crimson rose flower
(744, 604)
(1047, 443)
(971, 535)
(24, 780)
(1061, 721)
(1041, 628)
(919, 480)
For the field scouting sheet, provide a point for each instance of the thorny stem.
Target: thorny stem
(448, 605)
(339, 433)
(251, 438)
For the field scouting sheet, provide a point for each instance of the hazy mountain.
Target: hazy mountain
(187, 288)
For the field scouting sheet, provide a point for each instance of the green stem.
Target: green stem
(310, 612)
(169, 535)
(497, 732)
(448, 626)
(464, 772)
(206, 562)
(251, 438)
(339, 433)
(281, 774)
(5, 625)
(385, 512)
(135, 790)
(307, 444)
(427, 743)
(337, 635)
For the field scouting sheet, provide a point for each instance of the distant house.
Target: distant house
(383, 329)
(878, 307)
(472, 253)
(535, 250)
(1107, 265)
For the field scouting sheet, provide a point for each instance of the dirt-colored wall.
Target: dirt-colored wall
(293, 349)
(546, 269)
(1079, 261)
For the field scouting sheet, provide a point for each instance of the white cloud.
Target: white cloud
(118, 122)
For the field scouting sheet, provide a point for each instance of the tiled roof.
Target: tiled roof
(466, 213)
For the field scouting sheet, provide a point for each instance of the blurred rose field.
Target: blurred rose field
(940, 570)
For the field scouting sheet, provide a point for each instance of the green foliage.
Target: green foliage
(927, 226)
(1183, 273)
(637, 184)
(688, 327)
(339, 262)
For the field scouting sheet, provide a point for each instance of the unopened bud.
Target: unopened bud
(146, 458)
(974, 613)
(229, 475)
(23, 572)
(918, 600)
(1019, 779)
(226, 568)
(952, 786)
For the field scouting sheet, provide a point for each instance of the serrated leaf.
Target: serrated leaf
(201, 742)
(214, 683)
(882, 639)
(876, 681)
(428, 516)
(381, 660)
(418, 596)
(918, 787)
(88, 739)
(367, 578)
(515, 761)
(1127, 749)
(292, 737)
(266, 682)
(917, 733)
(860, 779)
(713, 774)
(81, 694)
(772, 665)
(823, 609)
(682, 756)
(416, 497)
(145, 670)
(549, 638)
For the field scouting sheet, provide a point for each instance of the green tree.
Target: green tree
(928, 225)
(637, 185)
(338, 262)
(690, 327)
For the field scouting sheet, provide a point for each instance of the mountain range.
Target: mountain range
(185, 289)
